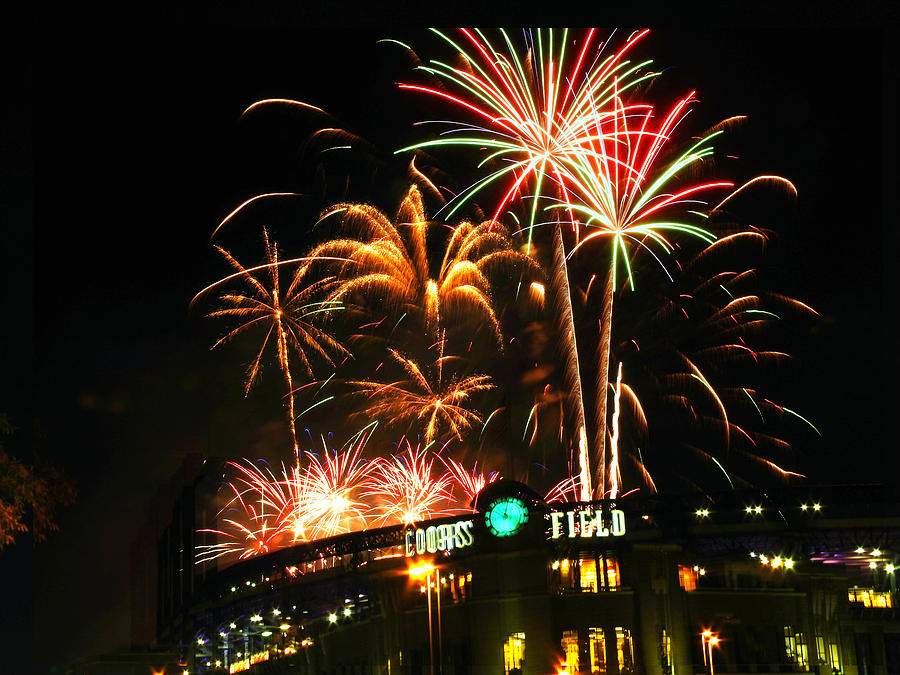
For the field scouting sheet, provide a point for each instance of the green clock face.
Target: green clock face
(506, 516)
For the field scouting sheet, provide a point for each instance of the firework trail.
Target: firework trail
(531, 112)
(696, 366)
(534, 113)
(625, 195)
(577, 143)
(283, 316)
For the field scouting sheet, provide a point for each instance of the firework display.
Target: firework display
(449, 334)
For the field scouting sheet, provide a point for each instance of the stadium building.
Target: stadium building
(796, 580)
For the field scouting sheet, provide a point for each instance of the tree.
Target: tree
(30, 496)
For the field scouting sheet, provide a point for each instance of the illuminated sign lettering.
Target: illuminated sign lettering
(587, 523)
(436, 538)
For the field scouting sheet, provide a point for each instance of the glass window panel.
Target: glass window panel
(597, 647)
(624, 650)
(570, 650)
(514, 654)
(588, 571)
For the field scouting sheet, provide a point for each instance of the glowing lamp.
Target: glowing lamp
(332, 618)
(889, 568)
(347, 611)
(420, 570)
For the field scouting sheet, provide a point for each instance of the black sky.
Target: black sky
(126, 149)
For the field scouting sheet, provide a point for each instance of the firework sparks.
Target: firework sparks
(252, 520)
(328, 493)
(425, 397)
(541, 112)
(283, 316)
(689, 363)
(535, 110)
(581, 146)
(386, 268)
(407, 490)
(469, 482)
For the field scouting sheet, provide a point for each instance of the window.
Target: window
(795, 647)
(665, 650)
(835, 653)
(570, 650)
(624, 650)
(869, 597)
(514, 654)
(588, 573)
(460, 584)
(600, 573)
(611, 573)
(820, 649)
(687, 578)
(597, 648)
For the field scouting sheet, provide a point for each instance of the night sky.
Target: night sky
(124, 149)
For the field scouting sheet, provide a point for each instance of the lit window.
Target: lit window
(611, 576)
(835, 653)
(597, 647)
(820, 649)
(687, 578)
(588, 574)
(795, 647)
(869, 597)
(665, 650)
(514, 652)
(569, 644)
(624, 650)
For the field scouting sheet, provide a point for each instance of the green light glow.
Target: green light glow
(506, 516)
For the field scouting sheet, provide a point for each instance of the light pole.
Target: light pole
(712, 642)
(420, 571)
(437, 588)
(704, 636)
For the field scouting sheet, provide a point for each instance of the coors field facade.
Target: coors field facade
(797, 580)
